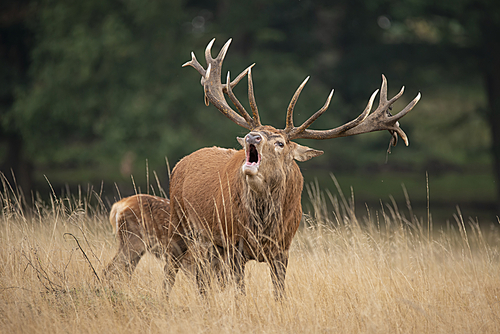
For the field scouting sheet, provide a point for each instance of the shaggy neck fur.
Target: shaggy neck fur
(264, 203)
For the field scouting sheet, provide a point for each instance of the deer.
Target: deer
(140, 223)
(246, 203)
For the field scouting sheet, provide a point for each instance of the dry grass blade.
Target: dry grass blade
(84, 254)
(383, 274)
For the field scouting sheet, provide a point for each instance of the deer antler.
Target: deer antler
(215, 89)
(380, 119)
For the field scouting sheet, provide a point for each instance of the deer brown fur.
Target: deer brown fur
(246, 204)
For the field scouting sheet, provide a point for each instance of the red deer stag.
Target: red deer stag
(247, 203)
(140, 223)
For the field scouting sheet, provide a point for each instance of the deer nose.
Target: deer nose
(253, 138)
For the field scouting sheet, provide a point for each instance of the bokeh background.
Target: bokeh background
(93, 97)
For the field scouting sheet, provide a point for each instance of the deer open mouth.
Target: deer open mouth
(251, 166)
(252, 155)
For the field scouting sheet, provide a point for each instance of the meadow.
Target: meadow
(384, 271)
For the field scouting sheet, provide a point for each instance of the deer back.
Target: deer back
(144, 216)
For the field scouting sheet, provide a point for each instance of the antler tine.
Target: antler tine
(223, 51)
(316, 115)
(251, 99)
(383, 90)
(238, 78)
(383, 93)
(289, 114)
(195, 64)
(208, 51)
(204, 73)
(235, 101)
(255, 121)
(407, 109)
(205, 79)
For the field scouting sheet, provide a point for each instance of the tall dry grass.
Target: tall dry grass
(388, 272)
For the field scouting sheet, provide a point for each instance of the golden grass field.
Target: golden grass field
(387, 272)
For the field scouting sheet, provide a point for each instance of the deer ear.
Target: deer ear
(241, 141)
(304, 153)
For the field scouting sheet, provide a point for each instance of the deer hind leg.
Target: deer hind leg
(202, 267)
(216, 263)
(208, 263)
(131, 248)
(238, 271)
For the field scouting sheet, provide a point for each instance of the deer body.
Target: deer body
(250, 219)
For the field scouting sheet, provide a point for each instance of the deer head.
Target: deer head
(270, 147)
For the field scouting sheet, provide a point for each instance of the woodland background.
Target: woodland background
(92, 92)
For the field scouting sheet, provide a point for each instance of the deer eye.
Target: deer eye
(279, 144)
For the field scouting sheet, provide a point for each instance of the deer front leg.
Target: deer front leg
(278, 272)
(238, 266)
(205, 267)
(238, 270)
(175, 253)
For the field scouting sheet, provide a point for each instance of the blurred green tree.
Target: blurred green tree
(92, 89)
(107, 90)
(101, 81)
(447, 48)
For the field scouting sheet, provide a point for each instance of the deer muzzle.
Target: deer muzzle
(253, 157)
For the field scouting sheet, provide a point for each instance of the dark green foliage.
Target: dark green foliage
(98, 86)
